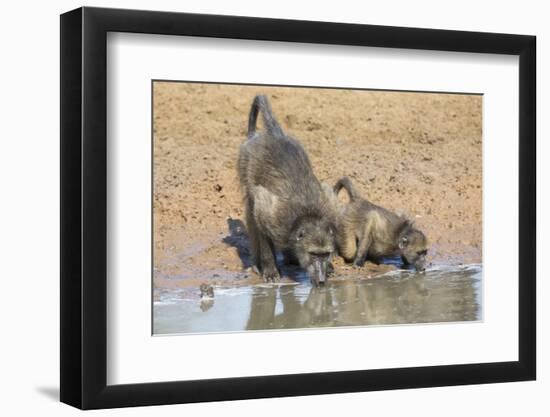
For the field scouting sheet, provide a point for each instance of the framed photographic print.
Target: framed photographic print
(257, 208)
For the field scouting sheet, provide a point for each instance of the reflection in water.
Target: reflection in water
(207, 304)
(400, 297)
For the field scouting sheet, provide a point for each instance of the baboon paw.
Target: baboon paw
(358, 263)
(271, 275)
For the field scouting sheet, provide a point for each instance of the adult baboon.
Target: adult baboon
(286, 206)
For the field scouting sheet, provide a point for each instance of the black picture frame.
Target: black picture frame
(84, 207)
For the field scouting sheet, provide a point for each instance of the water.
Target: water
(439, 295)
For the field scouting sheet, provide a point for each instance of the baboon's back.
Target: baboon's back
(279, 164)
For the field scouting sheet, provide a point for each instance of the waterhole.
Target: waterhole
(442, 294)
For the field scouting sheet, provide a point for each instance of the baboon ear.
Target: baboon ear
(408, 223)
(300, 233)
(403, 242)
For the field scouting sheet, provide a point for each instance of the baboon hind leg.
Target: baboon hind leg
(267, 258)
(347, 243)
(262, 249)
(252, 230)
(363, 245)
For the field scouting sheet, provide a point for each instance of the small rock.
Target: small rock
(207, 291)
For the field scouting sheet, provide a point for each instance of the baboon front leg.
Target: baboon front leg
(268, 264)
(363, 246)
(330, 269)
(290, 258)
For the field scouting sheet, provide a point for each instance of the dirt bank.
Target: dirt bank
(415, 153)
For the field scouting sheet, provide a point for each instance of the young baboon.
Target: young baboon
(286, 206)
(367, 230)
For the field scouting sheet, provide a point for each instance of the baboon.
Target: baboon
(286, 206)
(367, 230)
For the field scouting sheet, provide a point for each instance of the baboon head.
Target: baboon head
(312, 241)
(413, 246)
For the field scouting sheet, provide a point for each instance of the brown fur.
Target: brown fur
(287, 208)
(365, 230)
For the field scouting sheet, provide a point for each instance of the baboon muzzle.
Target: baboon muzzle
(420, 266)
(319, 268)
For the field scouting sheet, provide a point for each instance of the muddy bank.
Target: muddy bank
(411, 152)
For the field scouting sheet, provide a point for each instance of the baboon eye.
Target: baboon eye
(422, 252)
(300, 235)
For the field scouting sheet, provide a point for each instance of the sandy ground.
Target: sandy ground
(414, 153)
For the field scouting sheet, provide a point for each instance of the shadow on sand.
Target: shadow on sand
(238, 239)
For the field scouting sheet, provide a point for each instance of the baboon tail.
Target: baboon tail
(346, 183)
(261, 103)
